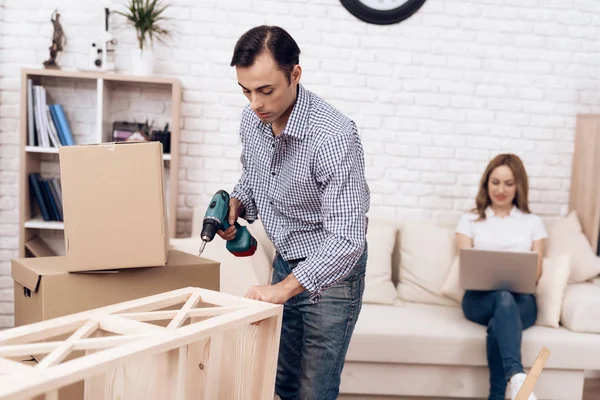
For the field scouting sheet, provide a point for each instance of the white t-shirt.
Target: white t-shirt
(515, 232)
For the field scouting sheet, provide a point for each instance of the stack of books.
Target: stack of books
(47, 124)
(47, 195)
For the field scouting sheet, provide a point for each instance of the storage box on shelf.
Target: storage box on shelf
(89, 102)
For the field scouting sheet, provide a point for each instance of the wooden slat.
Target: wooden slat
(264, 380)
(10, 367)
(225, 299)
(123, 326)
(181, 373)
(176, 98)
(170, 314)
(66, 347)
(19, 350)
(213, 381)
(533, 375)
(35, 332)
(182, 314)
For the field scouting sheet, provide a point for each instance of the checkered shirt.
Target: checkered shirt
(308, 187)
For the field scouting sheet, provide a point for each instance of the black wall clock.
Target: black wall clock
(382, 12)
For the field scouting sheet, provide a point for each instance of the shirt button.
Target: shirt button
(273, 173)
(273, 144)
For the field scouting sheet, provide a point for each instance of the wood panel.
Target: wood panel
(584, 196)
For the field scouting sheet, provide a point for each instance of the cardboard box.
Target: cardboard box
(44, 289)
(114, 206)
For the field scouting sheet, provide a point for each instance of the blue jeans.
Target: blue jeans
(506, 315)
(315, 336)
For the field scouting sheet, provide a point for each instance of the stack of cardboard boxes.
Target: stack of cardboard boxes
(115, 236)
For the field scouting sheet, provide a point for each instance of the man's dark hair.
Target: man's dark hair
(275, 40)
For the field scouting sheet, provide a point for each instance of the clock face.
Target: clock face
(382, 12)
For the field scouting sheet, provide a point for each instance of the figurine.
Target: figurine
(59, 40)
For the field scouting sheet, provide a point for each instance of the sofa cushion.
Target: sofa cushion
(451, 287)
(433, 334)
(581, 308)
(381, 238)
(566, 236)
(550, 290)
(426, 253)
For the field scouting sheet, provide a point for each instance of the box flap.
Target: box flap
(28, 272)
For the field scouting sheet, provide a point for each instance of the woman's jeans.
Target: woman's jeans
(315, 336)
(506, 315)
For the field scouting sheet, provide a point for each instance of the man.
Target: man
(303, 174)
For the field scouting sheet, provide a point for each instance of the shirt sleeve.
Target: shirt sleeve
(243, 190)
(340, 171)
(465, 225)
(539, 231)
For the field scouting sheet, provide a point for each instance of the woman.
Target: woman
(502, 221)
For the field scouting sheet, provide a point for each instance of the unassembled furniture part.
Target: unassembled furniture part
(185, 344)
(533, 375)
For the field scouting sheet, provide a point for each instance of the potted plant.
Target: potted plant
(146, 16)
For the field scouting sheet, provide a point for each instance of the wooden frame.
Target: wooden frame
(30, 227)
(584, 193)
(211, 346)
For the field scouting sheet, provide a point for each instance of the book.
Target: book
(63, 124)
(31, 132)
(36, 190)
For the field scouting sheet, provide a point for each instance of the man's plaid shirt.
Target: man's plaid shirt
(308, 186)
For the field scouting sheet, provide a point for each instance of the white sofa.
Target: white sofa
(412, 341)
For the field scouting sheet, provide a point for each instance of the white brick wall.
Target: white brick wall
(435, 97)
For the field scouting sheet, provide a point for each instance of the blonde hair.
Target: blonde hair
(512, 161)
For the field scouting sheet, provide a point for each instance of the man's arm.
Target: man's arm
(243, 192)
(243, 189)
(340, 170)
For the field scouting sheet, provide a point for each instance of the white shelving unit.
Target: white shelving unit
(31, 224)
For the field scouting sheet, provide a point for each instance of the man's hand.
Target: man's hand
(236, 209)
(278, 293)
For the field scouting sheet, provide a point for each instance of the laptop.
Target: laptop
(498, 270)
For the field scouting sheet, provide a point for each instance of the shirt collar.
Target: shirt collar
(298, 120)
(515, 212)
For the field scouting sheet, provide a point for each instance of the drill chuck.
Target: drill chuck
(210, 227)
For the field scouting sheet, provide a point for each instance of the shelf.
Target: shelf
(107, 76)
(54, 150)
(39, 223)
(37, 149)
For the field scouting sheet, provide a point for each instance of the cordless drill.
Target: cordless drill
(215, 219)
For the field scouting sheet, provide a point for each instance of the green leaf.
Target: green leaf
(146, 17)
